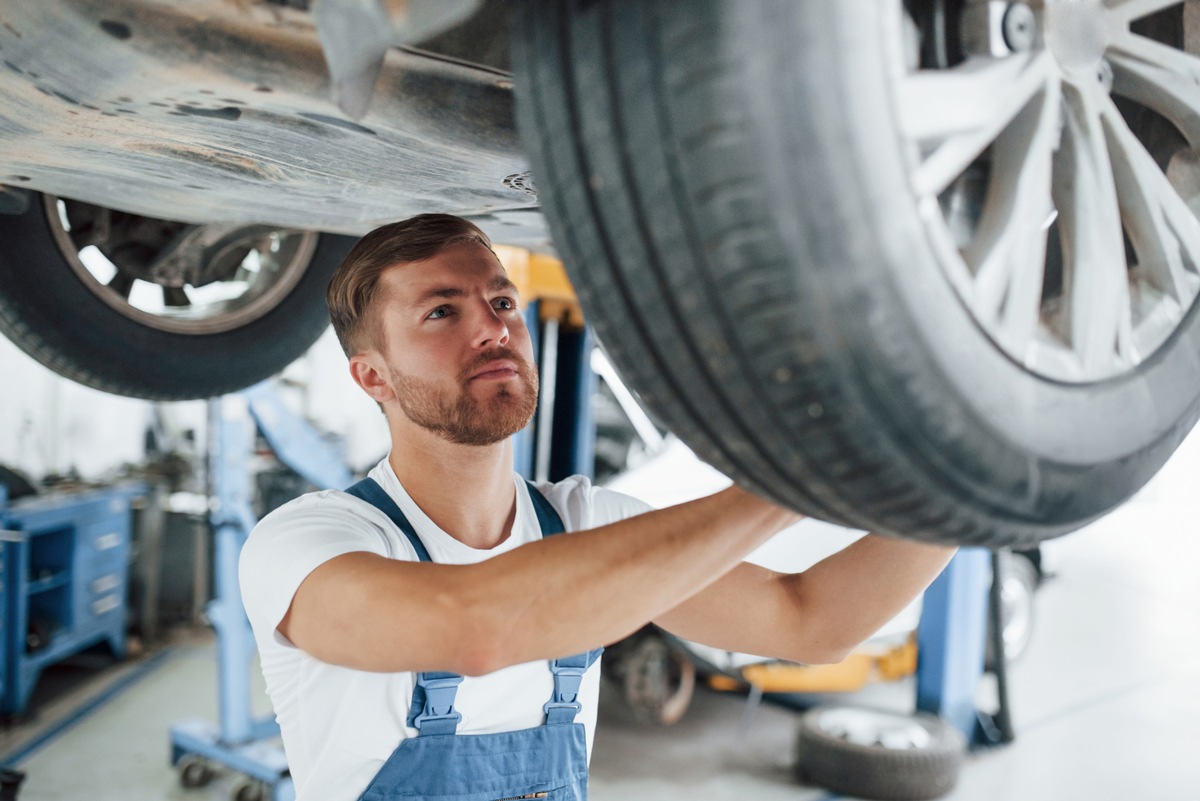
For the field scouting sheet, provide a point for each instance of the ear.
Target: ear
(367, 370)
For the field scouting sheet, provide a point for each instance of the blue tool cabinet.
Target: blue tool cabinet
(65, 574)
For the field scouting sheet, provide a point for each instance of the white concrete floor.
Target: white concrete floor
(1106, 701)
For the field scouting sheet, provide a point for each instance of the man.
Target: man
(369, 607)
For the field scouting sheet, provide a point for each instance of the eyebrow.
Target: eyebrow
(498, 284)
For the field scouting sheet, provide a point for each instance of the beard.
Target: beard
(462, 418)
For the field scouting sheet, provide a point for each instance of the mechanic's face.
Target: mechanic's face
(457, 353)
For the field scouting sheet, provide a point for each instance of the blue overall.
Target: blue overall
(547, 762)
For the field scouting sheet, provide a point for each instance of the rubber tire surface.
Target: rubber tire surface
(46, 310)
(875, 772)
(731, 198)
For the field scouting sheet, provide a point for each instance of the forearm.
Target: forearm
(813, 617)
(573, 592)
(562, 595)
(842, 600)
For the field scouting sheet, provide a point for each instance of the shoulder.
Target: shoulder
(295, 539)
(584, 505)
(324, 523)
(323, 509)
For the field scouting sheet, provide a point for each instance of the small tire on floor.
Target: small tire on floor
(873, 754)
(195, 772)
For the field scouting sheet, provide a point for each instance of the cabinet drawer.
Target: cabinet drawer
(106, 604)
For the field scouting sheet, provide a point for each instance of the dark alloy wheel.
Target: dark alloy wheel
(159, 309)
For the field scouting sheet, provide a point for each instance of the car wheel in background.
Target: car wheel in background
(159, 309)
(657, 680)
(929, 274)
(874, 754)
(1018, 582)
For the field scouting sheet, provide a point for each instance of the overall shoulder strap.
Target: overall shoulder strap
(548, 517)
(568, 671)
(369, 490)
(432, 709)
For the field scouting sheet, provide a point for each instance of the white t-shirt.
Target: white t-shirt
(340, 725)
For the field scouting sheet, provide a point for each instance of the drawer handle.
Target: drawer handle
(105, 604)
(108, 541)
(106, 583)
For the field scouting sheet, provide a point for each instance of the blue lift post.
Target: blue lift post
(560, 440)
(240, 741)
(950, 641)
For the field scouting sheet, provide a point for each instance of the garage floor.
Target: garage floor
(1106, 702)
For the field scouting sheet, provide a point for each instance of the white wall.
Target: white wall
(49, 424)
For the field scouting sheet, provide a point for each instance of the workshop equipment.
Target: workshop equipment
(239, 741)
(64, 569)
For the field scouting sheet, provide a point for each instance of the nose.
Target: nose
(491, 329)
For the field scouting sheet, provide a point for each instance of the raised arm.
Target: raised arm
(562, 595)
(814, 617)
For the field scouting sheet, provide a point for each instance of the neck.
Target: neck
(466, 490)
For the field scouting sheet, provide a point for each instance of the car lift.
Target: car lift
(558, 443)
(239, 741)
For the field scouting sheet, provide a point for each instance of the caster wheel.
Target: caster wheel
(251, 790)
(195, 772)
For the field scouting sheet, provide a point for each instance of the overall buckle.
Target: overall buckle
(567, 681)
(439, 700)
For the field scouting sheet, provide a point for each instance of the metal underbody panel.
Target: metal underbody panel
(212, 111)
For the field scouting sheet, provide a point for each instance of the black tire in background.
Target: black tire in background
(879, 755)
(48, 312)
(728, 190)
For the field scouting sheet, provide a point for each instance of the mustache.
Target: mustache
(487, 357)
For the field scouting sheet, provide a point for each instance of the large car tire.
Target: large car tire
(742, 202)
(58, 314)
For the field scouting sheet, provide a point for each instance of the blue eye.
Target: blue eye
(506, 304)
(438, 313)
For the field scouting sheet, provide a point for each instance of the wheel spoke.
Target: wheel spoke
(1159, 77)
(1097, 278)
(955, 114)
(1163, 229)
(1123, 12)
(1008, 252)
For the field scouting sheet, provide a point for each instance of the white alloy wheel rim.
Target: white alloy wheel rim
(1036, 141)
(868, 728)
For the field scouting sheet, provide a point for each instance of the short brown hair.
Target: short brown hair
(353, 287)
